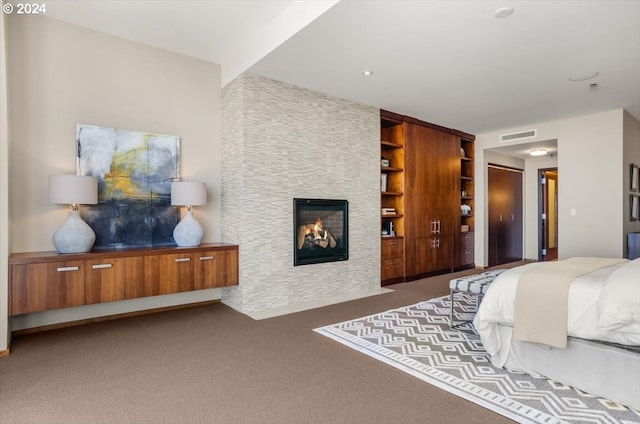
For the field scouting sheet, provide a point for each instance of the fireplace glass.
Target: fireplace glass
(320, 231)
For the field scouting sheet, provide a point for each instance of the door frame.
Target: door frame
(542, 209)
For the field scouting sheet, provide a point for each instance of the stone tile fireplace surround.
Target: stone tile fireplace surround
(281, 142)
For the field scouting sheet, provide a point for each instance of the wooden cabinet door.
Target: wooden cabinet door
(165, 274)
(135, 284)
(217, 268)
(432, 218)
(432, 169)
(39, 287)
(434, 253)
(104, 280)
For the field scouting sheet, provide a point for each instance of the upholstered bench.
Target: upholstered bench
(476, 285)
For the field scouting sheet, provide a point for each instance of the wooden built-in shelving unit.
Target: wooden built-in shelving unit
(392, 197)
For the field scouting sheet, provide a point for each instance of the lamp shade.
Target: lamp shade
(73, 189)
(188, 193)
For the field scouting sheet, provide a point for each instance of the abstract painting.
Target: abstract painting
(134, 170)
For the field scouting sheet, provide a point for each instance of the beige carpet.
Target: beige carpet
(211, 364)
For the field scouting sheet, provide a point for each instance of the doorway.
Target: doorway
(548, 214)
(505, 214)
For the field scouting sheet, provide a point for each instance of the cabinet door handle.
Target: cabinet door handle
(68, 268)
(100, 266)
(183, 259)
(206, 258)
(439, 227)
(393, 243)
(500, 218)
(438, 243)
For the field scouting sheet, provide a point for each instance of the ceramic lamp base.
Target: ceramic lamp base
(188, 232)
(74, 236)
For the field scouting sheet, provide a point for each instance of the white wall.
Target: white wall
(59, 75)
(590, 152)
(631, 135)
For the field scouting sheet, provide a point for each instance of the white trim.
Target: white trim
(4, 188)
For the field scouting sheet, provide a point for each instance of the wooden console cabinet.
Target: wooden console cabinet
(40, 281)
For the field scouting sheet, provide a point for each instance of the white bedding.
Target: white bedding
(603, 305)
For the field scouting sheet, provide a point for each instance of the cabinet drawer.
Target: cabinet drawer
(217, 268)
(166, 274)
(392, 248)
(392, 268)
(466, 256)
(39, 287)
(466, 240)
(104, 280)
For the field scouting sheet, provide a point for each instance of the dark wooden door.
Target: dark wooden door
(432, 169)
(505, 215)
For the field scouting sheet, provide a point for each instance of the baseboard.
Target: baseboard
(4, 353)
(289, 309)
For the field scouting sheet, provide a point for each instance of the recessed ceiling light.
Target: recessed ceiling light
(503, 12)
(538, 152)
(583, 76)
(367, 73)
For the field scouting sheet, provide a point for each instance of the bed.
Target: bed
(602, 352)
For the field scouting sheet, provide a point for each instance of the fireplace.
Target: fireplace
(320, 231)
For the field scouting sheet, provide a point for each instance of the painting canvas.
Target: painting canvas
(134, 170)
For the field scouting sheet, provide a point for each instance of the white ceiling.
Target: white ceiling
(448, 62)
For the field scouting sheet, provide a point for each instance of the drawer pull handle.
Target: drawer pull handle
(100, 266)
(206, 258)
(68, 268)
(393, 243)
(183, 259)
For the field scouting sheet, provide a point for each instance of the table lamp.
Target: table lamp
(75, 235)
(188, 232)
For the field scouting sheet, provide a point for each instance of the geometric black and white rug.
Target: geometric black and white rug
(417, 340)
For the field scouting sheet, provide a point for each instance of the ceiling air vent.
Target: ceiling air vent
(518, 135)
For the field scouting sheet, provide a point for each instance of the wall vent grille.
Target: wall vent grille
(518, 136)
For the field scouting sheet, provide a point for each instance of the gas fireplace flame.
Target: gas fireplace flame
(316, 235)
(316, 230)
